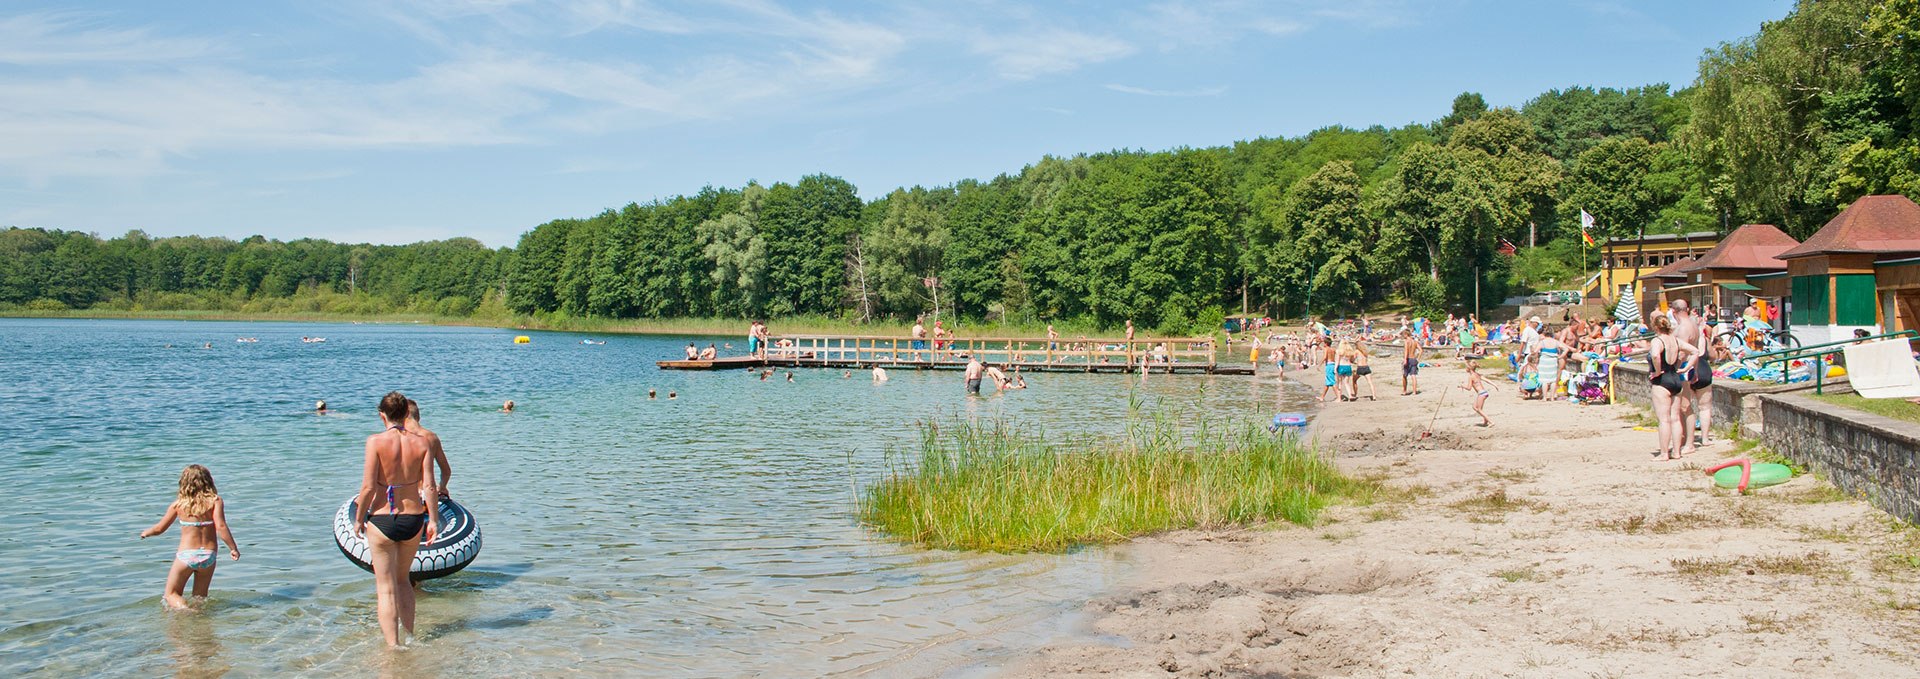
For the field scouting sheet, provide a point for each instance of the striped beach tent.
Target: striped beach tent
(1627, 310)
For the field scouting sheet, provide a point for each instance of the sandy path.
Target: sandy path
(1550, 545)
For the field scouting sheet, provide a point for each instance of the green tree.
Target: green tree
(1610, 181)
(738, 253)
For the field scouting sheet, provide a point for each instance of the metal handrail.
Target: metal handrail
(1784, 356)
(1642, 337)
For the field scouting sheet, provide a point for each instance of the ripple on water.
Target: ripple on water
(710, 535)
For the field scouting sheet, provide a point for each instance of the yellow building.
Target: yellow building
(1626, 260)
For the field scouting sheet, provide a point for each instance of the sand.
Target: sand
(1549, 545)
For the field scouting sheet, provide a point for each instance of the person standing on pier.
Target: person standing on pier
(919, 334)
(974, 372)
(753, 338)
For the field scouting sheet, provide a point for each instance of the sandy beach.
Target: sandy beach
(1550, 545)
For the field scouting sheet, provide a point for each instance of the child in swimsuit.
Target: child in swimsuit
(1481, 388)
(203, 525)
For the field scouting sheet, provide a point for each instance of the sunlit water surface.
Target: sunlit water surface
(710, 535)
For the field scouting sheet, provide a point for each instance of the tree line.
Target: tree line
(1784, 127)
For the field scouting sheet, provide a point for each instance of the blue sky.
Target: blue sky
(396, 121)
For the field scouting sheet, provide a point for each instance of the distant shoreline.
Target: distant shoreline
(705, 327)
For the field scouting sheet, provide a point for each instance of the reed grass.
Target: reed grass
(991, 487)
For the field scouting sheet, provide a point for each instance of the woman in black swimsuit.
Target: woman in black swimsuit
(1667, 358)
(394, 487)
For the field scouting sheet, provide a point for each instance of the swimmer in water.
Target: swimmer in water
(844, 374)
(319, 407)
(671, 395)
(650, 394)
(789, 375)
(879, 374)
(508, 407)
(209, 345)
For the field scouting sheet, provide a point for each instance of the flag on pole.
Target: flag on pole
(1586, 224)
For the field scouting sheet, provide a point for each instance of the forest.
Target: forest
(1784, 127)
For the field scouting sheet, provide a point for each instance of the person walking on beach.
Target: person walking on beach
(1361, 369)
(1480, 388)
(203, 525)
(414, 427)
(1667, 359)
(1343, 372)
(1696, 405)
(1409, 364)
(396, 480)
(1327, 364)
(974, 371)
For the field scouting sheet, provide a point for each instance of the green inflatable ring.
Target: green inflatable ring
(1764, 474)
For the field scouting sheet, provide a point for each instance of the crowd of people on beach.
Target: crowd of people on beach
(1571, 361)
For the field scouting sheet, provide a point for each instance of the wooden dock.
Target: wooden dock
(1163, 356)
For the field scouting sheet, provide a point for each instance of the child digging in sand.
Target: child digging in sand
(1480, 388)
(201, 513)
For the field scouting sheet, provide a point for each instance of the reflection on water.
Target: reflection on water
(710, 535)
(196, 649)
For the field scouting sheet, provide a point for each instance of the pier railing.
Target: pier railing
(1026, 352)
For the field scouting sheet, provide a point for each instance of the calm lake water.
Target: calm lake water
(712, 535)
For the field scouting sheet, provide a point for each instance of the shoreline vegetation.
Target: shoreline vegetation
(1482, 202)
(992, 487)
(558, 323)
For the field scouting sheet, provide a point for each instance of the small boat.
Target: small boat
(313, 340)
(591, 342)
(247, 340)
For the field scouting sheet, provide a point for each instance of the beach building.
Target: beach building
(1725, 275)
(1661, 285)
(1860, 271)
(1623, 261)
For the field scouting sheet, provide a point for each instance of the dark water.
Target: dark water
(712, 535)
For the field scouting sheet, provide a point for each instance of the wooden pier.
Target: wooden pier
(1163, 356)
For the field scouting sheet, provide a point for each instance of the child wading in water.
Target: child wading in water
(201, 513)
(1480, 388)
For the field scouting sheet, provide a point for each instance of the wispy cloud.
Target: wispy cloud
(143, 100)
(1197, 92)
(76, 38)
(1029, 55)
(1631, 24)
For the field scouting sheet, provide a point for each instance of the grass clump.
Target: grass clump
(1816, 564)
(1895, 408)
(988, 486)
(1494, 506)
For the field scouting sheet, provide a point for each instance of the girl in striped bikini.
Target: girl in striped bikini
(203, 526)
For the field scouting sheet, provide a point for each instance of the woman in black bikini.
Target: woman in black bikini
(398, 478)
(1668, 357)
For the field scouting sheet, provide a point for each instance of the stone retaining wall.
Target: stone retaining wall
(1862, 453)
(1735, 408)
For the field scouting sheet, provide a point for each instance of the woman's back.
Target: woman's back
(398, 459)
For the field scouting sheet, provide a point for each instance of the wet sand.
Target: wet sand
(1549, 545)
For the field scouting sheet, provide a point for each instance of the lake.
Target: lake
(709, 535)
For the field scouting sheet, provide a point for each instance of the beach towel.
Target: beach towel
(1550, 366)
(1883, 369)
